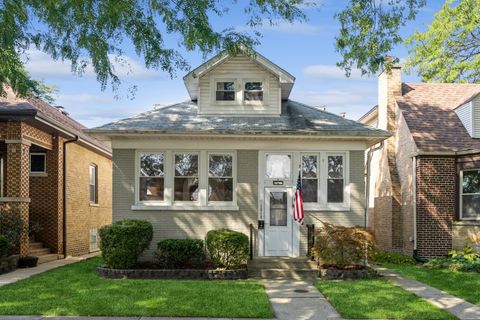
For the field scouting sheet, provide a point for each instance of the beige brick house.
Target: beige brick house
(425, 190)
(54, 176)
(230, 157)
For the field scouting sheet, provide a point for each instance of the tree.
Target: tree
(369, 30)
(91, 32)
(449, 51)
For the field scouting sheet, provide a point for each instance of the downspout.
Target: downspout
(367, 181)
(64, 228)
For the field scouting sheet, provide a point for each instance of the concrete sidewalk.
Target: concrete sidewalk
(21, 274)
(458, 307)
(298, 300)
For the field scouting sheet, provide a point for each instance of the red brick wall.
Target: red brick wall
(436, 202)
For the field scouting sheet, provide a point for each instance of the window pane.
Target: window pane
(91, 173)
(186, 165)
(220, 165)
(278, 166)
(37, 163)
(278, 208)
(471, 181)
(92, 193)
(186, 189)
(471, 206)
(253, 95)
(151, 189)
(225, 96)
(309, 166)
(253, 86)
(151, 165)
(335, 190)
(220, 189)
(335, 167)
(310, 190)
(226, 86)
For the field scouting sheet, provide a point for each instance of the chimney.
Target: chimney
(389, 86)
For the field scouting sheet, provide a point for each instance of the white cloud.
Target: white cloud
(332, 72)
(41, 65)
(281, 26)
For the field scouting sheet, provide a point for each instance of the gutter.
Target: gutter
(367, 182)
(64, 228)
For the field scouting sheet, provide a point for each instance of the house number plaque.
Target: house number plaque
(278, 183)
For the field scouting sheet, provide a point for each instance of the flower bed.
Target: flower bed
(208, 274)
(353, 273)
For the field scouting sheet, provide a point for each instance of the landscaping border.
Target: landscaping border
(172, 274)
(347, 274)
(8, 264)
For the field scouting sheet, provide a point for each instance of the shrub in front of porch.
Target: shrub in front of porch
(180, 253)
(227, 248)
(4, 246)
(124, 241)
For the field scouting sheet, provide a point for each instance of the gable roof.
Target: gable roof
(37, 109)
(191, 79)
(429, 111)
(296, 118)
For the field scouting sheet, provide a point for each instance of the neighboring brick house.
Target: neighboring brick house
(44, 155)
(425, 190)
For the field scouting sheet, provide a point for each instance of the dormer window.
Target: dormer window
(225, 91)
(253, 91)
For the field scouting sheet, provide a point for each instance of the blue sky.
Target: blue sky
(306, 50)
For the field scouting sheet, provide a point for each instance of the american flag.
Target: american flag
(298, 214)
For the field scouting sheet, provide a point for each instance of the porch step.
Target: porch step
(37, 249)
(47, 258)
(282, 268)
(39, 252)
(282, 274)
(36, 245)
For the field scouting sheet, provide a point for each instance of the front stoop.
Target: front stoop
(282, 268)
(37, 249)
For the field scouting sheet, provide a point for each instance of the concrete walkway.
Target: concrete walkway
(456, 306)
(21, 274)
(298, 300)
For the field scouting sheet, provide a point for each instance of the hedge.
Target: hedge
(226, 248)
(180, 253)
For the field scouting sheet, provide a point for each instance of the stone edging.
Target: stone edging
(352, 274)
(8, 264)
(172, 274)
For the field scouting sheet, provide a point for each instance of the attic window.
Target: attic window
(225, 91)
(253, 91)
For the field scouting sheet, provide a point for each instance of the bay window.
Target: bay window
(470, 195)
(335, 179)
(220, 177)
(151, 180)
(310, 178)
(186, 177)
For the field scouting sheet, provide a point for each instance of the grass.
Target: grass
(377, 299)
(464, 285)
(76, 290)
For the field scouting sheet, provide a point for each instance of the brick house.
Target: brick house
(54, 176)
(425, 190)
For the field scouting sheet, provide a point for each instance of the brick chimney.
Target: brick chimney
(389, 86)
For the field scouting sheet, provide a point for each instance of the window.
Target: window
(220, 177)
(279, 166)
(92, 181)
(225, 91)
(186, 177)
(470, 195)
(335, 179)
(310, 178)
(152, 176)
(93, 240)
(38, 163)
(253, 91)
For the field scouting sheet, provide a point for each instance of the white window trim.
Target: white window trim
(213, 86)
(317, 204)
(345, 205)
(38, 173)
(92, 165)
(462, 194)
(168, 202)
(265, 92)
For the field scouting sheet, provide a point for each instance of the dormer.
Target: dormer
(469, 114)
(243, 84)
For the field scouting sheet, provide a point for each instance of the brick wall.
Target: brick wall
(436, 194)
(81, 215)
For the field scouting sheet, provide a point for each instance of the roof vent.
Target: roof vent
(323, 108)
(342, 114)
(62, 110)
(157, 106)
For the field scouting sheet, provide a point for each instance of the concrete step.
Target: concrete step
(47, 258)
(39, 252)
(278, 274)
(35, 245)
(283, 265)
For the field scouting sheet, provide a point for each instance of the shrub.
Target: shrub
(461, 260)
(379, 256)
(4, 246)
(342, 246)
(180, 253)
(226, 248)
(12, 226)
(124, 241)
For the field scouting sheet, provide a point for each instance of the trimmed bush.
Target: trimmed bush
(342, 246)
(4, 246)
(391, 257)
(180, 253)
(124, 241)
(226, 248)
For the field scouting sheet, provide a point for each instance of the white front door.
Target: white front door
(278, 222)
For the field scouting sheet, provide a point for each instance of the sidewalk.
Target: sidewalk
(21, 274)
(458, 307)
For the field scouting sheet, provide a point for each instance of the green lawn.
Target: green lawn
(377, 299)
(461, 284)
(76, 290)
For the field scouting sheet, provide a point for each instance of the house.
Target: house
(54, 176)
(230, 156)
(425, 180)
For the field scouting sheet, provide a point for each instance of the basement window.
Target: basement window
(470, 195)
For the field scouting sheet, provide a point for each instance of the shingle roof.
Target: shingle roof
(295, 118)
(428, 109)
(36, 107)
